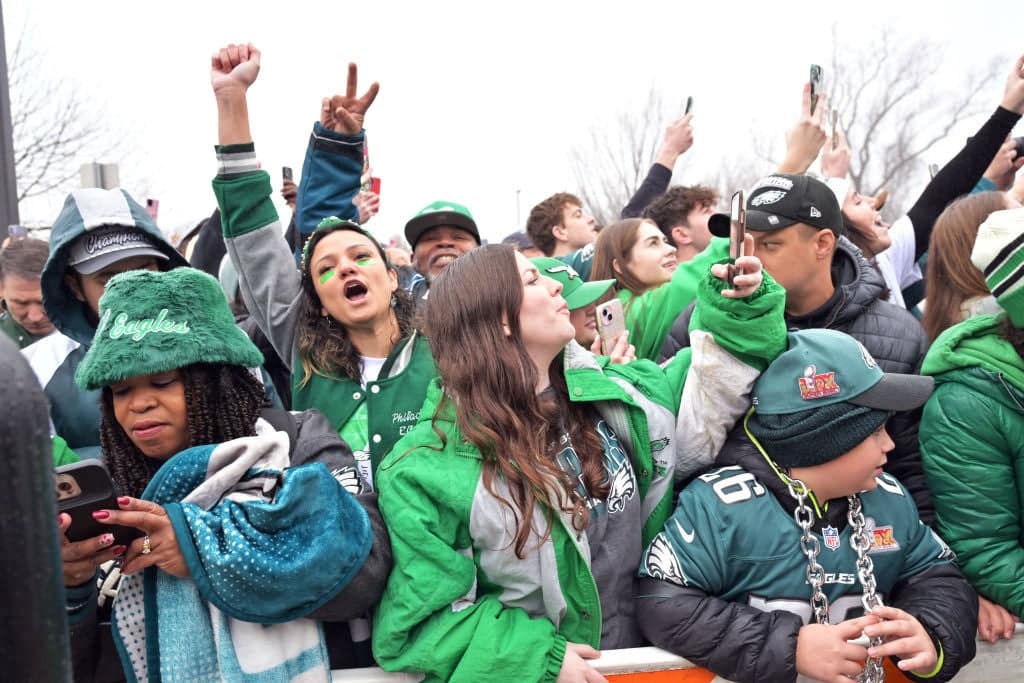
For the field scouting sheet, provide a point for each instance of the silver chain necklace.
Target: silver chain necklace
(860, 540)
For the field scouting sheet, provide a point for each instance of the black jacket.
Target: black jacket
(891, 334)
(741, 643)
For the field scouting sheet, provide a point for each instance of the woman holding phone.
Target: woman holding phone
(258, 526)
(653, 287)
(517, 512)
(341, 318)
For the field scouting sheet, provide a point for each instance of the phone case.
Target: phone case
(611, 322)
(96, 492)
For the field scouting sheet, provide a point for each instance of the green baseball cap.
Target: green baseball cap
(575, 291)
(826, 367)
(437, 214)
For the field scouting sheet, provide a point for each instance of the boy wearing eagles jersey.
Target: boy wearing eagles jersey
(765, 568)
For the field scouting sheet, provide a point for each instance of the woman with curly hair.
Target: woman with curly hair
(240, 522)
(342, 319)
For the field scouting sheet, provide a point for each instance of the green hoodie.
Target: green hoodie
(972, 445)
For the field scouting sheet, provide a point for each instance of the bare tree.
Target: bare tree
(613, 162)
(53, 126)
(894, 107)
(741, 174)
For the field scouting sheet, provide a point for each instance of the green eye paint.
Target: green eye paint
(364, 261)
(328, 274)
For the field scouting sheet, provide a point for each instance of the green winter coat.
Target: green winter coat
(972, 444)
(650, 316)
(446, 610)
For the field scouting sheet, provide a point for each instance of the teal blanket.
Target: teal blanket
(265, 544)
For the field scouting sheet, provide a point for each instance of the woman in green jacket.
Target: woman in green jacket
(341, 319)
(519, 505)
(653, 287)
(972, 431)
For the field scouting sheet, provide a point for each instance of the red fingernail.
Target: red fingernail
(118, 550)
(124, 500)
(107, 539)
(100, 514)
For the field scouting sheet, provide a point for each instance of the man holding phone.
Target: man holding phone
(797, 228)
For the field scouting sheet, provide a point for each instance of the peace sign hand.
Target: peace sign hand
(345, 113)
(159, 548)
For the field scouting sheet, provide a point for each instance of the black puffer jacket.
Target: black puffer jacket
(744, 644)
(891, 335)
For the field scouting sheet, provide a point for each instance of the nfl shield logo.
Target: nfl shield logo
(831, 536)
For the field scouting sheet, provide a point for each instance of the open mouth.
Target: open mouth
(670, 264)
(443, 260)
(355, 291)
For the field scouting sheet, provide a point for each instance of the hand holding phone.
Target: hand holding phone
(286, 173)
(83, 488)
(815, 86)
(611, 322)
(737, 234)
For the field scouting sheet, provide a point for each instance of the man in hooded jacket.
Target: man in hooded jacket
(98, 234)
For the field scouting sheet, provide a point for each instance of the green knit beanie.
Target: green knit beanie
(999, 254)
(823, 396)
(815, 436)
(154, 322)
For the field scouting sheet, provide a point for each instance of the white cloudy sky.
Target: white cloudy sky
(478, 100)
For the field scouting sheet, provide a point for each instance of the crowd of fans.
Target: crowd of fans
(336, 454)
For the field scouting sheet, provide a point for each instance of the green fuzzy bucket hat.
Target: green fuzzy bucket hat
(154, 322)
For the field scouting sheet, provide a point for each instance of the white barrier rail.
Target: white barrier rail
(1001, 662)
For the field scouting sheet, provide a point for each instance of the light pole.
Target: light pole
(8, 183)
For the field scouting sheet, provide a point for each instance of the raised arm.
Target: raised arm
(334, 157)
(678, 138)
(805, 139)
(267, 275)
(964, 170)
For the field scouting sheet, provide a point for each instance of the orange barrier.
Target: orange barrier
(1002, 662)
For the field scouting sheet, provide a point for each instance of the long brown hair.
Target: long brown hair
(615, 243)
(490, 382)
(222, 403)
(323, 345)
(951, 278)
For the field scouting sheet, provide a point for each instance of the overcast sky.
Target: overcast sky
(478, 100)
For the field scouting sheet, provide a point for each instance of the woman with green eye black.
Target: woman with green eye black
(342, 320)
